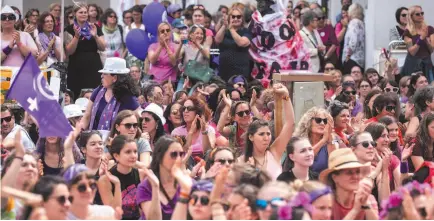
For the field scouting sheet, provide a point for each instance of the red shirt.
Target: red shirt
(339, 212)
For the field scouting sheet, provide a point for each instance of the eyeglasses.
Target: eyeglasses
(365, 144)
(204, 200)
(128, 17)
(129, 125)
(62, 199)
(329, 69)
(83, 187)
(322, 18)
(10, 17)
(404, 15)
(7, 119)
(112, 16)
(419, 14)
(175, 154)
(240, 84)
(318, 120)
(223, 161)
(188, 108)
(394, 89)
(348, 93)
(236, 16)
(162, 31)
(70, 17)
(243, 113)
(262, 204)
(390, 108)
(198, 7)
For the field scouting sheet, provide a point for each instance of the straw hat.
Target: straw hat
(115, 66)
(341, 159)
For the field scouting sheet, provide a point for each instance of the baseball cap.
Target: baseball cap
(179, 24)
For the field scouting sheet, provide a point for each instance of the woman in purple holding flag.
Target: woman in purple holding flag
(117, 93)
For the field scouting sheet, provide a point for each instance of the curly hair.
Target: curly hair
(383, 100)
(201, 108)
(336, 107)
(422, 97)
(125, 86)
(304, 127)
(423, 135)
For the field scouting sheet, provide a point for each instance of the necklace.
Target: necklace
(263, 164)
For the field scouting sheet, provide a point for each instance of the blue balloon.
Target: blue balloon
(152, 17)
(138, 42)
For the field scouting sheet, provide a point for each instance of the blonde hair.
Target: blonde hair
(286, 191)
(335, 72)
(236, 9)
(356, 11)
(238, 5)
(78, 5)
(411, 26)
(304, 127)
(53, 5)
(161, 25)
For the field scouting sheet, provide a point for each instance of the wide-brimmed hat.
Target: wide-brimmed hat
(8, 10)
(157, 110)
(72, 110)
(341, 159)
(115, 66)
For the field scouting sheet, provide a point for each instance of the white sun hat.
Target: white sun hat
(8, 10)
(115, 66)
(72, 110)
(157, 110)
(82, 102)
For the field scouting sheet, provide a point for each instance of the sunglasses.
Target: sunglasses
(366, 144)
(223, 161)
(83, 187)
(243, 113)
(318, 120)
(348, 93)
(129, 125)
(147, 119)
(329, 69)
(7, 119)
(204, 200)
(112, 16)
(419, 14)
(175, 154)
(236, 16)
(62, 199)
(198, 7)
(390, 108)
(70, 17)
(321, 18)
(394, 89)
(240, 84)
(188, 108)
(404, 15)
(262, 204)
(175, 112)
(10, 17)
(162, 31)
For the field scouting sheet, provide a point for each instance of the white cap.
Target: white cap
(115, 65)
(157, 110)
(82, 102)
(72, 110)
(8, 10)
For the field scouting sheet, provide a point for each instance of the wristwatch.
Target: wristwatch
(204, 132)
(183, 200)
(364, 207)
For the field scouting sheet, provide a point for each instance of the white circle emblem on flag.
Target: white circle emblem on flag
(43, 89)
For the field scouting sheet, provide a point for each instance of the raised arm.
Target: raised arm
(105, 183)
(72, 41)
(152, 209)
(85, 120)
(221, 127)
(181, 208)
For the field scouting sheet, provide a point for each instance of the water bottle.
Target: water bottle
(184, 36)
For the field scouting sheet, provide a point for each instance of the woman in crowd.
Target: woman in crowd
(196, 49)
(423, 149)
(270, 196)
(158, 193)
(94, 15)
(83, 186)
(152, 123)
(258, 150)
(334, 85)
(419, 38)
(363, 89)
(127, 18)
(56, 200)
(341, 29)
(299, 159)
(50, 45)
(245, 174)
(369, 103)
(15, 44)
(340, 113)
(350, 195)
(222, 156)
(56, 10)
(173, 115)
(126, 123)
(297, 17)
(328, 36)
(372, 75)
(385, 104)
(404, 84)
(82, 42)
(354, 47)
(237, 201)
(199, 20)
(31, 22)
(136, 16)
(112, 34)
(162, 55)
(200, 136)
(117, 93)
(234, 41)
(312, 40)
(424, 101)
(397, 33)
(417, 81)
(316, 126)
(392, 127)
(69, 17)
(321, 198)
(124, 151)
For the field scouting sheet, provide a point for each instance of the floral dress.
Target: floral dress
(355, 42)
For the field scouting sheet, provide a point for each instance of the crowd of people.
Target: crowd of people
(151, 141)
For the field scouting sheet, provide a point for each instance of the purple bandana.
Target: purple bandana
(45, 40)
(85, 30)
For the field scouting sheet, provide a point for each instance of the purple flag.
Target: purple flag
(31, 90)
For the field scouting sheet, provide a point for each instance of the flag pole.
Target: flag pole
(62, 26)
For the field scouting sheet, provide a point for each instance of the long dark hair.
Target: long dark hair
(423, 138)
(118, 144)
(160, 128)
(118, 120)
(253, 128)
(106, 14)
(167, 113)
(385, 99)
(413, 81)
(375, 129)
(125, 86)
(42, 142)
(394, 146)
(161, 147)
(288, 164)
(366, 109)
(30, 12)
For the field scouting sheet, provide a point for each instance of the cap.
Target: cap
(173, 8)
(179, 24)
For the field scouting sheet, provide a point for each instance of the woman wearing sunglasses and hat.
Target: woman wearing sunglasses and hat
(352, 196)
(152, 122)
(118, 92)
(15, 44)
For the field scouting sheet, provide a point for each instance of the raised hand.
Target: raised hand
(51, 44)
(253, 99)
(153, 180)
(280, 89)
(203, 124)
(113, 179)
(227, 100)
(77, 31)
(214, 170)
(183, 179)
(19, 147)
(16, 36)
(193, 128)
(407, 151)
(243, 211)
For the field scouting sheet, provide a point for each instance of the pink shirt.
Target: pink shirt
(197, 143)
(163, 69)
(15, 59)
(338, 29)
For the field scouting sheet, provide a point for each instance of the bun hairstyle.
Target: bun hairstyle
(336, 107)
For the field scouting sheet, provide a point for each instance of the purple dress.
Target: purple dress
(144, 194)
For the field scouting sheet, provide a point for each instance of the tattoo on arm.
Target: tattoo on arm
(68, 38)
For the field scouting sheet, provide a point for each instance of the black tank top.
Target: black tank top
(49, 170)
(129, 183)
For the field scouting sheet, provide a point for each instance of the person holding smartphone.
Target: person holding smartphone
(193, 47)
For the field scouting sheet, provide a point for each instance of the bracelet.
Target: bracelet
(7, 50)
(205, 132)
(286, 98)
(184, 195)
(20, 158)
(366, 207)
(183, 200)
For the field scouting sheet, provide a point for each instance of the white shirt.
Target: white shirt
(128, 29)
(25, 137)
(97, 212)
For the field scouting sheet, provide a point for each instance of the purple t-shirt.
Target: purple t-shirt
(127, 103)
(144, 194)
(163, 69)
(357, 108)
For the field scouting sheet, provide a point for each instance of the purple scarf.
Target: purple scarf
(109, 113)
(85, 30)
(45, 40)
